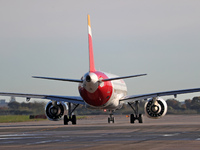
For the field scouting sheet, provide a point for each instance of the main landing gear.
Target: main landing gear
(135, 115)
(71, 117)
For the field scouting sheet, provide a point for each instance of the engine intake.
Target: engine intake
(56, 111)
(155, 108)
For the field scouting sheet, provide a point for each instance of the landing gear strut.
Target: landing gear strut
(111, 118)
(71, 117)
(135, 115)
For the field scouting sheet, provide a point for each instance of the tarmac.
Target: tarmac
(171, 132)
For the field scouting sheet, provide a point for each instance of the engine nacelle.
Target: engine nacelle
(155, 108)
(56, 111)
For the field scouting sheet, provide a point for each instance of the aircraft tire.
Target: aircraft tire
(132, 118)
(140, 119)
(66, 120)
(73, 119)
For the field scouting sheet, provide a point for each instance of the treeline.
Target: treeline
(188, 107)
(16, 108)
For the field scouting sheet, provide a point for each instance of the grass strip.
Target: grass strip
(23, 118)
(16, 118)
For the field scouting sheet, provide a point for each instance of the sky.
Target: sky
(49, 38)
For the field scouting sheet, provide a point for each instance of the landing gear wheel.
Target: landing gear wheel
(108, 120)
(73, 119)
(140, 119)
(111, 119)
(132, 118)
(66, 120)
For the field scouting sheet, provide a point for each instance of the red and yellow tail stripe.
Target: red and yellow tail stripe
(89, 26)
(91, 55)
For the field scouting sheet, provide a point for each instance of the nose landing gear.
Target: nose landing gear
(111, 118)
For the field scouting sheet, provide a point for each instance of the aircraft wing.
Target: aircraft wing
(132, 98)
(71, 99)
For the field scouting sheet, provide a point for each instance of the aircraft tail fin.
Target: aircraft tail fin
(91, 55)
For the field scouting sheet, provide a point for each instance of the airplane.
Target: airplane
(101, 90)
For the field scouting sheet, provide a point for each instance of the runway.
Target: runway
(170, 132)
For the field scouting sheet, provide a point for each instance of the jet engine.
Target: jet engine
(55, 110)
(155, 108)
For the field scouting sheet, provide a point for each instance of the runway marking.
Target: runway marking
(89, 136)
(198, 139)
(42, 142)
(48, 141)
(19, 138)
(174, 134)
(15, 135)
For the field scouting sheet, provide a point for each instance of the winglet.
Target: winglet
(91, 55)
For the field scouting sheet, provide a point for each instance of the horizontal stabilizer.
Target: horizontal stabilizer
(59, 79)
(124, 77)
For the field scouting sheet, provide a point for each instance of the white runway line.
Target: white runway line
(174, 134)
(198, 139)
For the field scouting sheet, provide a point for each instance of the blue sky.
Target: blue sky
(49, 38)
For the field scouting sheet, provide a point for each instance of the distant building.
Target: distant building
(3, 103)
(12, 99)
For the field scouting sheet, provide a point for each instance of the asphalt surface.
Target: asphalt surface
(171, 132)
